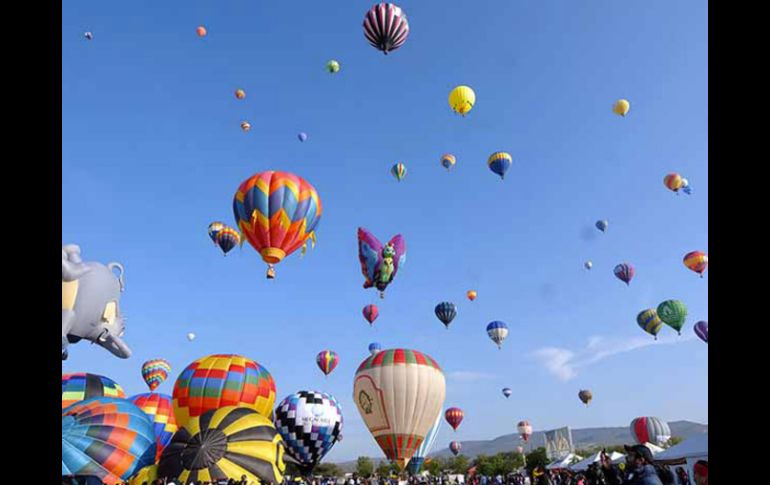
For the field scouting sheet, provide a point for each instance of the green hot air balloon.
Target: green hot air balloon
(650, 322)
(673, 313)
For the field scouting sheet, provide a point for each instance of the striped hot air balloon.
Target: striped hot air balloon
(418, 459)
(109, 438)
(327, 360)
(673, 182)
(454, 416)
(399, 393)
(650, 322)
(227, 239)
(525, 430)
(507, 391)
(222, 380)
(155, 372)
(160, 409)
(386, 27)
(80, 386)
(499, 163)
(650, 430)
(399, 171)
(673, 313)
(455, 447)
(696, 261)
(371, 312)
(624, 272)
(446, 312)
(277, 212)
(702, 330)
(497, 331)
(225, 443)
(214, 229)
(448, 161)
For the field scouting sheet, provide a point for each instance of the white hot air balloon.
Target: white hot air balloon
(399, 394)
(588, 265)
(190, 336)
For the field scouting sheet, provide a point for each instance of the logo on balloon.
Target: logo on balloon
(365, 401)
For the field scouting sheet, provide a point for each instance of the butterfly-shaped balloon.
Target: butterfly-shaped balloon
(379, 264)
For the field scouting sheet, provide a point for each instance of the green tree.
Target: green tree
(434, 466)
(364, 466)
(536, 458)
(458, 464)
(328, 469)
(484, 465)
(383, 469)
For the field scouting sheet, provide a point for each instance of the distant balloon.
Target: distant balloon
(673, 313)
(702, 330)
(499, 163)
(371, 312)
(624, 272)
(525, 430)
(497, 331)
(585, 395)
(190, 336)
(686, 186)
(471, 294)
(240, 93)
(214, 229)
(588, 264)
(155, 372)
(462, 99)
(80, 386)
(696, 261)
(88, 36)
(245, 125)
(621, 107)
(327, 361)
(446, 312)
(650, 430)
(386, 27)
(201, 31)
(333, 66)
(399, 171)
(380, 264)
(448, 161)
(227, 239)
(507, 391)
(374, 347)
(302, 136)
(455, 447)
(454, 416)
(650, 322)
(602, 225)
(673, 182)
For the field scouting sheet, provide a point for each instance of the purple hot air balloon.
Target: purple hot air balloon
(302, 136)
(702, 330)
(624, 272)
(386, 27)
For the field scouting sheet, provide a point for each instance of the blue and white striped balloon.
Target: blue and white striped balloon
(427, 444)
(374, 347)
(497, 331)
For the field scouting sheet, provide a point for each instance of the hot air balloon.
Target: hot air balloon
(227, 239)
(415, 464)
(454, 416)
(702, 330)
(673, 313)
(585, 395)
(686, 186)
(696, 261)
(240, 93)
(89, 36)
(144, 476)
(190, 336)
(201, 31)
(650, 430)
(448, 161)
(245, 125)
(310, 422)
(371, 313)
(160, 409)
(462, 99)
(386, 27)
(588, 264)
(327, 360)
(399, 393)
(455, 447)
(374, 347)
(154, 372)
(380, 264)
(602, 225)
(507, 391)
(225, 443)
(673, 182)
(497, 331)
(624, 272)
(499, 163)
(214, 229)
(621, 107)
(525, 430)
(277, 212)
(302, 136)
(446, 312)
(80, 386)
(222, 380)
(650, 322)
(399, 171)
(109, 438)
(333, 66)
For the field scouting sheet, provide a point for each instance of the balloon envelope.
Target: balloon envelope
(201, 31)
(333, 66)
(673, 313)
(525, 430)
(621, 107)
(650, 322)
(624, 272)
(602, 225)
(499, 163)
(507, 391)
(702, 330)
(415, 464)
(80, 386)
(160, 409)
(497, 331)
(696, 261)
(155, 372)
(585, 396)
(302, 136)
(673, 182)
(399, 171)
(472, 295)
(462, 99)
(374, 347)
(386, 27)
(191, 336)
(327, 361)
(455, 447)
(371, 312)
(448, 161)
(446, 312)
(454, 416)
(650, 430)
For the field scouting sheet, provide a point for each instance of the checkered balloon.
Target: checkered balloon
(310, 423)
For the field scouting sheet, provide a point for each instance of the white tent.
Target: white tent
(686, 453)
(564, 462)
(653, 449)
(583, 465)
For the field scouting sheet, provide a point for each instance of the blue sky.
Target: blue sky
(152, 152)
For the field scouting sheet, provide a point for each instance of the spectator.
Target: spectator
(701, 471)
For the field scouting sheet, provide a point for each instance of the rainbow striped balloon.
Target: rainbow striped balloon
(154, 372)
(499, 163)
(160, 409)
(399, 171)
(327, 360)
(697, 261)
(81, 386)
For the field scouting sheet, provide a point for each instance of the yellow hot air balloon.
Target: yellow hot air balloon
(399, 394)
(621, 107)
(462, 99)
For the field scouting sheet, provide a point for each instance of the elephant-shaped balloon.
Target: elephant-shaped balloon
(90, 293)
